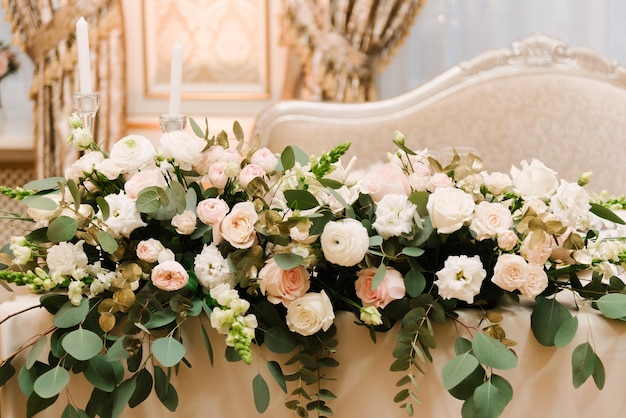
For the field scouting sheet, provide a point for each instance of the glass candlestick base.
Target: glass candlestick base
(86, 106)
(171, 123)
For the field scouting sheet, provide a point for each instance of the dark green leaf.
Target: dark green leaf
(207, 343)
(70, 315)
(36, 404)
(503, 386)
(613, 305)
(164, 389)
(7, 371)
(415, 282)
(467, 387)
(462, 345)
(143, 388)
(52, 382)
(261, 393)
(599, 375)
(100, 373)
(280, 340)
(583, 363)
(300, 199)
(70, 412)
(547, 318)
(458, 369)
(62, 229)
(104, 207)
(488, 401)
(107, 242)
(121, 396)
(605, 213)
(288, 158)
(117, 352)
(492, 352)
(277, 373)
(566, 332)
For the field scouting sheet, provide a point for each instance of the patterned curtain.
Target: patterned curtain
(340, 43)
(45, 30)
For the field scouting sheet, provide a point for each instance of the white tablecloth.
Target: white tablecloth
(365, 387)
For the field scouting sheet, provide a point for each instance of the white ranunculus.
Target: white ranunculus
(490, 219)
(534, 180)
(185, 223)
(132, 153)
(67, 259)
(124, 217)
(461, 278)
(344, 242)
(238, 226)
(510, 272)
(83, 166)
(109, 169)
(184, 148)
(310, 313)
(212, 269)
(394, 215)
(570, 204)
(449, 209)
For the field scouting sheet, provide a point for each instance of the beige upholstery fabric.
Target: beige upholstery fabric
(537, 99)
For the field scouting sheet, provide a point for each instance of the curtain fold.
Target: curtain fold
(45, 30)
(340, 43)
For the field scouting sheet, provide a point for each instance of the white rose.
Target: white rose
(497, 183)
(149, 250)
(510, 272)
(185, 223)
(461, 278)
(184, 148)
(344, 242)
(534, 180)
(394, 215)
(449, 209)
(83, 166)
(570, 204)
(238, 226)
(124, 217)
(109, 169)
(490, 219)
(536, 281)
(249, 173)
(264, 158)
(310, 313)
(132, 153)
(212, 269)
(418, 182)
(81, 138)
(507, 240)
(143, 179)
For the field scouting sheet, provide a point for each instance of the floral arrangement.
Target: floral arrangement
(134, 241)
(9, 62)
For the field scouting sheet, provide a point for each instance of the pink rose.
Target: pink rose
(212, 211)
(217, 174)
(185, 223)
(439, 180)
(390, 289)
(264, 158)
(283, 285)
(536, 281)
(142, 179)
(249, 173)
(537, 247)
(238, 226)
(149, 250)
(169, 276)
(385, 179)
(507, 240)
(510, 272)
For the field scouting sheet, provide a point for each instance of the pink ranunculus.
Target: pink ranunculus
(238, 226)
(142, 179)
(149, 250)
(217, 174)
(390, 289)
(385, 179)
(264, 158)
(249, 173)
(185, 223)
(283, 285)
(212, 211)
(170, 276)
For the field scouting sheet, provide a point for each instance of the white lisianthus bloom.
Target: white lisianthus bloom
(212, 269)
(185, 149)
(109, 169)
(490, 219)
(394, 215)
(461, 278)
(449, 209)
(310, 313)
(80, 138)
(185, 223)
(132, 153)
(344, 242)
(84, 166)
(67, 259)
(570, 204)
(124, 217)
(534, 180)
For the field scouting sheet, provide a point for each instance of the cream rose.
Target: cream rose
(212, 211)
(507, 240)
(534, 180)
(132, 153)
(344, 242)
(536, 281)
(238, 226)
(149, 250)
(170, 276)
(385, 179)
(439, 180)
(490, 219)
(537, 247)
(391, 288)
(283, 285)
(461, 278)
(510, 272)
(449, 209)
(497, 183)
(310, 313)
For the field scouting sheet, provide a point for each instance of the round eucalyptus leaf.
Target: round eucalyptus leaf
(168, 351)
(52, 382)
(613, 305)
(62, 229)
(82, 344)
(489, 401)
(492, 352)
(458, 369)
(69, 315)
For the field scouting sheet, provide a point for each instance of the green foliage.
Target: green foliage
(547, 317)
(69, 315)
(261, 393)
(492, 352)
(82, 344)
(168, 351)
(613, 305)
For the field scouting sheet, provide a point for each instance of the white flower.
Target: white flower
(212, 269)
(497, 183)
(461, 278)
(534, 180)
(132, 153)
(184, 148)
(80, 138)
(22, 253)
(507, 240)
(124, 217)
(570, 204)
(439, 180)
(371, 316)
(109, 169)
(185, 223)
(74, 120)
(238, 226)
(490, 219)
(344, 242)
(67, 259)
(75, 292)
(536, 281)
(149, 250)
(310, 313)
(83, 166)
(221, 319)
(510, 272)
(394, 215)
(224, 294)
(449, 209)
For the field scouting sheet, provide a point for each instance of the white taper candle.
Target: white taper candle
(84, 57)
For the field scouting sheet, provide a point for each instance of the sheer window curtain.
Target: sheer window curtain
(450, 31)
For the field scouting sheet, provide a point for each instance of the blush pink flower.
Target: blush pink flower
(390, 289)
(283, 285)
(169, 276)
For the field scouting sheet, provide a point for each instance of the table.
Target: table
(365, 387)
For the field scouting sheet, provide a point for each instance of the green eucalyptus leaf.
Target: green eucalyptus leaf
(207, 343)
(191, 199)
(583, 363)
(52, 302)
(70, 412)
(196, 128)
(52, 382)
(62, 229)
(280, 340)
(489, 401)
(379, 276)
(277, 373)
(492, 352)
(105, 210)
(36, 404)
(117, 352)
(613, 305)
(168, 351)
(462, 345)
(503, 386)
(547, 318)
(467, 387)
(151, 199)
(288, 261)
(412, 251)
(599, 375)
(261, 393)
(143, 388)
(82, 344)
(159, 319)
(300, 199)
(73, 188)
(107, 242)
(70, 315)
(101, 373)
(238, 131)
(288, 158)
(35, 351)
(7, 371)
(40, 202)
(164, 389)
(414, 282)
(376, 241)
(50, 183)
(566, 332)
(121, 396)
(458, 369)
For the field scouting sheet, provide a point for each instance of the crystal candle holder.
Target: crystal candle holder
(86, 106)
(171, 123)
